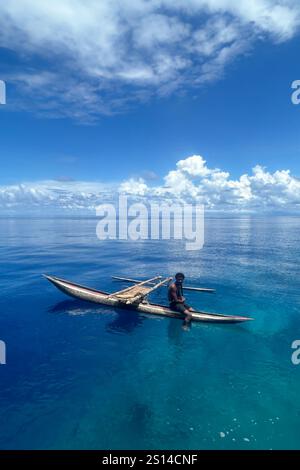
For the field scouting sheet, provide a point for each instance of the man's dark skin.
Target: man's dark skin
(177, 300)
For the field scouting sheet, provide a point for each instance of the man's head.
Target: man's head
(179, 278)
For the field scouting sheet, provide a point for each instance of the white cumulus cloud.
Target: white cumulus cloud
(83, 58)
(191, 181)
(54, 196)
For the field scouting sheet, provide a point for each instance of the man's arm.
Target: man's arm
(173, 292)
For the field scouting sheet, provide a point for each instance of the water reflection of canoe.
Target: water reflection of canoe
(135, 298)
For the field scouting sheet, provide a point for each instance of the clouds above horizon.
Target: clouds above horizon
(86, 58)
(194, 181)
(54, 196)
(191, 181)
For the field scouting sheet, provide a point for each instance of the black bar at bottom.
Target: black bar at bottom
(135, 459)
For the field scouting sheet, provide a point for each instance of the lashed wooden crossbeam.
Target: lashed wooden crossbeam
(138, 292)
(121, 293)
(132, 291)
(141, 295)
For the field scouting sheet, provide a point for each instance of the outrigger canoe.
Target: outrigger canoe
(135, 298)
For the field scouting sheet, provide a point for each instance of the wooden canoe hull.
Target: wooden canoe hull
(103, 298)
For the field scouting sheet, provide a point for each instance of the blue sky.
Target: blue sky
(100, 102)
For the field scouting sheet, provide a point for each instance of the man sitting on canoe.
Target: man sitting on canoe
(177, 300)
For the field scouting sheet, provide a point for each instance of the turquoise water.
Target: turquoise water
(79, 376)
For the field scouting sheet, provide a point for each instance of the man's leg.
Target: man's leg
(188, 315)
(184, 310)
(187, 319)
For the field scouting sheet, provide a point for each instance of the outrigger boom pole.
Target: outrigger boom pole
(135, 281)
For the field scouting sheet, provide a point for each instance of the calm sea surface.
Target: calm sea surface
(80, 376)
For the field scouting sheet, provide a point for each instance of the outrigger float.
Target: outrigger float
(135, 297)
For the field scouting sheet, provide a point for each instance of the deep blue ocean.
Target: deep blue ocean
(82, 376)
